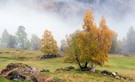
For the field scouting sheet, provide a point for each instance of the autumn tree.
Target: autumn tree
(72, 50)
(88, 40)
(91, 44)
(48, 44)
(104, 42)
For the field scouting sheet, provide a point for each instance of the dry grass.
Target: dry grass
(122, 64)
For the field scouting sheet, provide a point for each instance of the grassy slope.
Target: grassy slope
(120, 64)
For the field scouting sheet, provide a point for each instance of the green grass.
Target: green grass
(121, 64)
(2, 79)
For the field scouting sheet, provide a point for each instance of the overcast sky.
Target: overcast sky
(35, 19)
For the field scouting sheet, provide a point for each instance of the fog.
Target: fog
(64, 18)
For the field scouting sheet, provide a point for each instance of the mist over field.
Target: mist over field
(67, 40)
(64, 16)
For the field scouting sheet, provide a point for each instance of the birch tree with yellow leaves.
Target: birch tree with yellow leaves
(88, 40)
(92, 43)
(48, 44)
(72, 51)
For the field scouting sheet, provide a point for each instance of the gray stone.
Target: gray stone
(20, 71)
(44, 70)
(14, 75)
(117, 77)
(114, 73)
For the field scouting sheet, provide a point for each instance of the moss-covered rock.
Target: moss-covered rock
(49, 56)
(20, 71)
(65, 69)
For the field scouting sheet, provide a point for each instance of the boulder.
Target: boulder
(65, 69)
(14, 75)
(106, 72)
(117, 77)
(44, 70)
(59, 70)
(69, 68)
(48, 56)
(114, 74)
(20, 71)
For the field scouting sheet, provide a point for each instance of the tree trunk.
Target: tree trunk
(77, 59)
(86, 65)
(93, 67)
(79, 63)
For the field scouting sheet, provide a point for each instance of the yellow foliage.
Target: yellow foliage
(95, 42)
(91, 44)
(48, 44)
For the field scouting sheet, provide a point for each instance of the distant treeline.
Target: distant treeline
(21, 41)
(127, 44)
(124, 46)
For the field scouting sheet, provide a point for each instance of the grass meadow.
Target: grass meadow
(124, 65)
